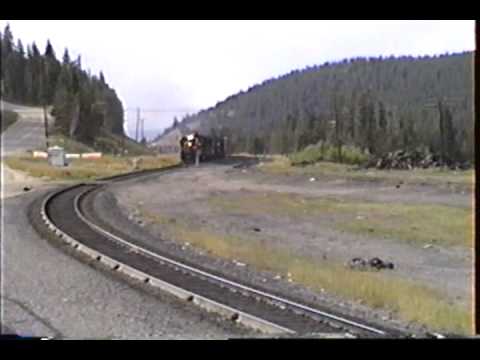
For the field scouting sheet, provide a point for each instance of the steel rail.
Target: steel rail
(220, 279)
(198, 272)
(204, 302)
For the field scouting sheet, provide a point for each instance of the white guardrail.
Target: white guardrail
(44, 155)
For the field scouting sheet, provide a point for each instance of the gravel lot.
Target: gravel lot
(182, 195)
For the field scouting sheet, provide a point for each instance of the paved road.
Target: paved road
(45, 292)
(49, 293)
(28, 133)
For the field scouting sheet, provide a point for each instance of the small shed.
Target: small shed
(57, 156)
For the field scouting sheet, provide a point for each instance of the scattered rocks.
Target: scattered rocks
(242, 165)
(289, 277)
(374, 263)
(379, 264)
(357, 263)
(136, 163)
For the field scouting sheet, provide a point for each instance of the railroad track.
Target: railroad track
(63, 212)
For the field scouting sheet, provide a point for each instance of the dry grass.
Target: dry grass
(107, 143)
(408, 301)
(87, 169)
(414, 223)
(281, 165)
(70, 145)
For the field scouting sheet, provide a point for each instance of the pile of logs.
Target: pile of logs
(410, 159)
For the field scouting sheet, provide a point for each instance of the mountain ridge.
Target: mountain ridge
(379, 104)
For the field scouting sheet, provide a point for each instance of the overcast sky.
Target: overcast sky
(191, 65)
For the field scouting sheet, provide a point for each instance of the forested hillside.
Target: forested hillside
(84, 106)
(375, 104)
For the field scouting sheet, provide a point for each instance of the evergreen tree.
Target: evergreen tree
(83, 106)
(381, 110)
(49, 52)
(63, 104)
(102, 78)
(175, 122)
(51, 71)
(66, 58)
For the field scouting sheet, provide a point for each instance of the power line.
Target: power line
(164, 110)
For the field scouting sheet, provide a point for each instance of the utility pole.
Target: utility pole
(123, 140)
(44, 96)
(138, 123)
(45, 121)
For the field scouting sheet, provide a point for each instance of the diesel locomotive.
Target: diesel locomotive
(206, 148)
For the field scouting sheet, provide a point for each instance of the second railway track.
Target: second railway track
(64, 213)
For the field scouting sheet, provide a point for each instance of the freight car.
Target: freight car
(205, 147)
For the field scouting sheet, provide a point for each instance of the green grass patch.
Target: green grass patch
(70, 145)
(8, 118)
(408, 300)
(281, 165)
(413, 223)
(88, 169)
(115, 144)
(326, 152)
(109, 144)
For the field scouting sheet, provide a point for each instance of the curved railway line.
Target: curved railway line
(64, 213)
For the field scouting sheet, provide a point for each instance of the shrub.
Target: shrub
(327, 152)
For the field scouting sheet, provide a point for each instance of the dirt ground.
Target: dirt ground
(229, 200)
(15, 183)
